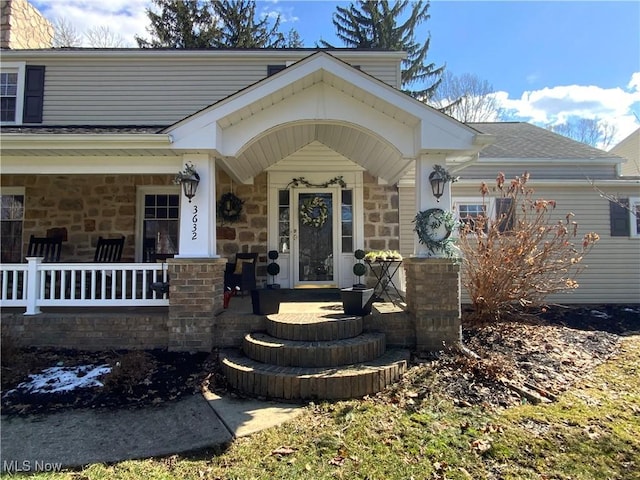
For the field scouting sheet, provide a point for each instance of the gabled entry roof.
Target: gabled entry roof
(321, 98)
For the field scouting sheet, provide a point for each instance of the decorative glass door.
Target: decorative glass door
(314, 238)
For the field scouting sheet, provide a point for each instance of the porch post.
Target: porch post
(198, 217)
(196, 275)
(424, 194)
(32, 291)
(432, 282)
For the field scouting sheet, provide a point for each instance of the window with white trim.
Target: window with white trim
(634, 216)
(11, 224)
(11, 93)
(158, 222)
(468, 210)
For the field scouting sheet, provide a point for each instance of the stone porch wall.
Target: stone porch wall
(22, 26)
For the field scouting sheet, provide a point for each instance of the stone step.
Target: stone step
(294, 353)
(296, 383)
(313, 327)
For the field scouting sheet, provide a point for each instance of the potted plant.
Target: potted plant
(357, 301)
(265, 301)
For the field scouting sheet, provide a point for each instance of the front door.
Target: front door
(314, 241)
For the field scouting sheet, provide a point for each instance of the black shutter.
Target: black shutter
(273, 69)
(619, 218)
(33, 94)
(505, 214)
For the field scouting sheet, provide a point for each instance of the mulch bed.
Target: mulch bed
(544, 353)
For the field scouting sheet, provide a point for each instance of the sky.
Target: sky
(547, 61)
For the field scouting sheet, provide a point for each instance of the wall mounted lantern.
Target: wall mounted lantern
(189, 179)
(438, 179)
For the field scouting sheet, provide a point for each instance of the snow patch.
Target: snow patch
(64, 379)
(596, 313)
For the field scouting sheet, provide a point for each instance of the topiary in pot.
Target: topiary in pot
(273, 268)
(359, 268)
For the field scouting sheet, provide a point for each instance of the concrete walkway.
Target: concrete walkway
(80, 437)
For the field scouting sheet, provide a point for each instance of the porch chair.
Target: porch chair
(47, 247)
(241, 274)
(109, 250)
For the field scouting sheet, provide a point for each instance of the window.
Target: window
(8, 96)
(624, 217)
(468, 213)
(11, 92)
(159, 221)
(11, 220)
(346, 220)
(283, 221)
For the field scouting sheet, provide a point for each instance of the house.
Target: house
(629, 148)
(320, 147)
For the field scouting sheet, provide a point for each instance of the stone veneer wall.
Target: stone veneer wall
(381, 217)
(249, 233)
(88, 206)
(22, 26)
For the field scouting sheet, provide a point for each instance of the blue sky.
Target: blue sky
(548, 60)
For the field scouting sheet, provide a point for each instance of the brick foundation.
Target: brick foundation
(433, 299)
(104, 330)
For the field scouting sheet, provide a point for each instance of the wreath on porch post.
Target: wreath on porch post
(314, 212)
(230, 208)
(427, 225)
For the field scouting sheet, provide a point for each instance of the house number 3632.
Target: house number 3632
(194, 220)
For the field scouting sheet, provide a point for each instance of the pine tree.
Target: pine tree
(180, 24)
(373, 24)
(239, 28)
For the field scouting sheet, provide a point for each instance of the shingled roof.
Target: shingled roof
(523, 140)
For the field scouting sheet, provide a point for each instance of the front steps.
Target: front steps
(313, 357)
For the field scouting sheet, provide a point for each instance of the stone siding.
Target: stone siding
(22, 26)
(88, 206)
(381, 218)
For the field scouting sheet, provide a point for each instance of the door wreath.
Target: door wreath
(229, 208)
(314, 212)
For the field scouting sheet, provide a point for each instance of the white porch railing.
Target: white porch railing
(37, 284)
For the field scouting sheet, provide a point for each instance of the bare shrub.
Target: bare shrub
(130, 370)
(521, 257)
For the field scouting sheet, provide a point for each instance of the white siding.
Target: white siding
(407, 212)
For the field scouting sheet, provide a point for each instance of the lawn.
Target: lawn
(591, 432)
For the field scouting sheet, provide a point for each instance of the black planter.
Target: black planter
(265, 301)
(357, 301)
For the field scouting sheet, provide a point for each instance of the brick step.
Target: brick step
(294, 353)
(296, 383)
(313, 327)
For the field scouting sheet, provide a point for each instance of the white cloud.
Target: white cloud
(556, 105)
(123, 17)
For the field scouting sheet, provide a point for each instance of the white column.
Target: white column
(32, 287)
(424, 194)
(198, 217)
